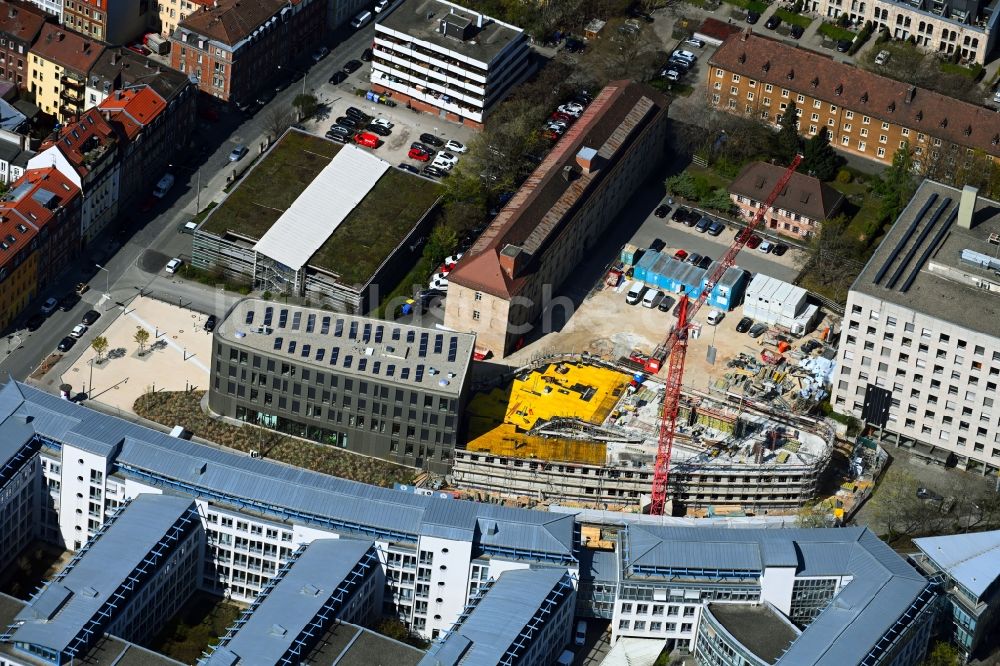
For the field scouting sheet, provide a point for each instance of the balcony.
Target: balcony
(72, 81)
(71, 94)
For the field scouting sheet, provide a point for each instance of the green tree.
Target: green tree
(813, 515)
(442, 241)
(942, 654)
(786, 141)
(819, 158)
(306, 105)
(896, 511)
(834, 259)
(896, 185)
(718, 200)
(141, 337)
(100, 345)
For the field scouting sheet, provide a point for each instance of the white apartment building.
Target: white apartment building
(966, 27)
(920, 347)
(442, 58)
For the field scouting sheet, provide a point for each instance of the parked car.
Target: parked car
(692, 219)
(752, 17)
(652, 298)
(716, 228)
(714, 317)
(433, 171)
(744, 325)
(754, 241)
(686, 55)
(419, 146)
(635, 11)
(78, 331)
(679, 65)
(671, 75)
(352, 66)
(49, 306)
(431, 140)
(348, 121)
(383, 122)
(66, 343)
(844, 45)
(692, 41)
(163, 185)
(635, 293)
(680, 214)
(662, 211)
(882, 57)
(67, 302)
(703, 224)
(238, 153)
(320, 53)
(452, 259)
(765, 247)
(354, 112)
(339, 138)
(779, 249)
(574, 45)
(338, 77)
(928, 494)
(665, 304)
(446, 159)
(571, 109)
(34, 322)
(381, 5)
(694, 258)
(90, 317)
(367, 55)
(796, 31)
(409, 168)
(419, 155)
(681, 255)
(378, 129)
(772, 22)
(455, 146)
(366, 139)
(757, 330)
(173, 265)
(210, 323)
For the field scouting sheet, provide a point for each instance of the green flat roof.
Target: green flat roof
(362, 241)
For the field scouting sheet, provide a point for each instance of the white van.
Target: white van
(566, 658)
(580, 636)
(635, 292)
(361, 19)
(652, 298)
(715, 316)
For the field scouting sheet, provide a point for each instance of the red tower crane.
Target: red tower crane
(676, 345)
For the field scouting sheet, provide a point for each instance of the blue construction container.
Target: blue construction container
(643, 268)
(729, 291)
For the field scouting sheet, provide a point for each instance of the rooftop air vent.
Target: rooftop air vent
(891, 107)
(766, 66)
(839, 90)
(968, 130)
(920, 115)
(742, 58)
(815, 82)
(943, 123)
(864, 97)
(791, 74)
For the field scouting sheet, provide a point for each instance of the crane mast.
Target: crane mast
(676, 345)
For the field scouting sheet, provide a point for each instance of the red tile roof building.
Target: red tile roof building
(865, 114)
(501, 285)
(20, 24)
(60, 61)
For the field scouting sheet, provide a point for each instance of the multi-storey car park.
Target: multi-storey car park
(920, 351)
(838, 596)
(373, 387)
(314, 219)
(442, 58)
(583, 431)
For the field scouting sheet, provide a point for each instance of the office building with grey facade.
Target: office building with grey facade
(370, 386)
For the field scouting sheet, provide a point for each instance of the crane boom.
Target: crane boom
(676, 345)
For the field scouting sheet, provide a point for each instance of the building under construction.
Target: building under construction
(585, 432)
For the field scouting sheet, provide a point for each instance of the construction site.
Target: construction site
(583, 431)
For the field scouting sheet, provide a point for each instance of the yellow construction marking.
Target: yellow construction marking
(506, 441)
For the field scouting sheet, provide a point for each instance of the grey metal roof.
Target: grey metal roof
(275, 487)
(973, 560)
(498, 619)
(824, 559)
(284, 612)
(760, 628)
(432, 360)
(350, 645)
(61, 610)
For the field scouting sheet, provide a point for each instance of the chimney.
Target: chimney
(479, 20)
(114, 57)
(966, 206)
(512, 260)
(60, 36)
(587, 159)
(910, 93)
(745, 35)
(12, 12)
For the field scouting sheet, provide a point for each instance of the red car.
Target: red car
(550, 135)
(681, 254)
(366, 139)
(418, 155)
(754, 241)
(565, 117)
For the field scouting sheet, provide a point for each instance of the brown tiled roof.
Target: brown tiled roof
(121, 67)
(133, 109)
(69, 49)
(539, 210)
(804, 194)
(231, 21)
(22, 209)
(716, 29)
(821, 77)
(79, 139)
(21, 20)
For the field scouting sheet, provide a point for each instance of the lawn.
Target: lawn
(376, 226)
(170, 408)
(272, 185)
(200, 623)
(836, 32)
(749, 5)
(38, 562)
(970, 73)
(864, 225)
(790, 17)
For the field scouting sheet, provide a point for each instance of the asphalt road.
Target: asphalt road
(153, 237)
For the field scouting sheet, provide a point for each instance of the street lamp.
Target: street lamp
(304, 74)
(198, 188)
(107, 281)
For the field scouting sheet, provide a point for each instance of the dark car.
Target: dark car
(702, 225)
(434, 172)
(757, 330)
(265, 97)
(657, 245)
(66, 343)
(352, 66)
(339, 138)
(427, 294)
(662, 211)
(409, 167)
(744, 325)
(416, 145)
(341, 129)
(779, 249)
(378, 129)
(35, 322)
(716, 228)
(796, 31)
(680, 214)
(210, 323)
(90, 317)
(338, 77)
(665, 304)
(843, 46)
(355, 112)
(68, 301)
(679, 65)
(752, 17)
(347, 121)
(431, 140)
(772, 23)
(574, 45)
(692, 219)
(694, 258)
(367, 55)
(705, 262)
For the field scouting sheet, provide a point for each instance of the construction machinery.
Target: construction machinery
(676, 345)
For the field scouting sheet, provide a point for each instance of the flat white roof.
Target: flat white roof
(323, 205)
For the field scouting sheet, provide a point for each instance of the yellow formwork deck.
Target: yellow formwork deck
(505, 440)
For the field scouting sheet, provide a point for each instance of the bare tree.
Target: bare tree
(897, 511)
(277, 121)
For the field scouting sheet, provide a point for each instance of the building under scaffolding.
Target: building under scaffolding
(597, 446)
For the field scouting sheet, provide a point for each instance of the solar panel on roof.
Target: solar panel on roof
(410, 336)
(306, 349)
(268, 315)
(250, 314)
(362, 364)
(292, 344)
(452, 349)
(905, 237)
(438, 343)
(296, 320)
(419, 376)
(378, 333)
(339, 328)
(277, 342)
(404, 373)
(348, 360)
(310, 323)
(320, 353)
(324, 327)
(422, 352)
(368, 333)
(334, 355)
(354, 330)
(395, 334)
(376, 366)
(282, 318)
